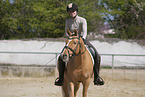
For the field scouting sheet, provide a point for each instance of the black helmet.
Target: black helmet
(72, 7)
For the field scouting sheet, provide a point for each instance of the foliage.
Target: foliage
(128, 17)
(41, 18)
(91, 10)
(46, 18)
(32, 18)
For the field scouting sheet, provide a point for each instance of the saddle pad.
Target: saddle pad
(90, 54)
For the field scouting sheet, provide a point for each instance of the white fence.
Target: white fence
(48, 68)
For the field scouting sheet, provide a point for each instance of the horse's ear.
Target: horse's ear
(75, 32)
(69, 32)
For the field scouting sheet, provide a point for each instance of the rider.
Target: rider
(80, 24)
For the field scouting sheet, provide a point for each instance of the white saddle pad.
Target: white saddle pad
(90, 54)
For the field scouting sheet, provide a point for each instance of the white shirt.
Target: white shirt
(79, 23)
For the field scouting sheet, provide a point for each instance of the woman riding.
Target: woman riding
(80, 24)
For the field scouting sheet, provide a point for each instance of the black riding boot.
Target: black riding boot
(59, 80)
(97, 79)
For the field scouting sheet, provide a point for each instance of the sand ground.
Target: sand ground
(44, 87)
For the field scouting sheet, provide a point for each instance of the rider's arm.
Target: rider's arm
(66, 27)
(84, 28)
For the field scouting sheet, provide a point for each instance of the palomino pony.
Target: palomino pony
(79, 65)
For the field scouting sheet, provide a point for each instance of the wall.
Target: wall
(103, 47)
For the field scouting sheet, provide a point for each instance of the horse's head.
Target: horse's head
(74, 46)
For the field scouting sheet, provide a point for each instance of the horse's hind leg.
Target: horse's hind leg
(76, 87)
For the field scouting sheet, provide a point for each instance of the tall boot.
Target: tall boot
(59, 80)
(97, 79)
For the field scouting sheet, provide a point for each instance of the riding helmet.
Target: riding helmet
(72, 7)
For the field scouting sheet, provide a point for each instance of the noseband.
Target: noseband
(74, 51)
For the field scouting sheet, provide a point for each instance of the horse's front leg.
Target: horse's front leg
(71, 89)
(76, 87)
(85, 87)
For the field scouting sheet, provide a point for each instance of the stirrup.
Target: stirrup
(99, 81)
(58, 82)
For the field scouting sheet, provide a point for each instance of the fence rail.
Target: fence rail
(56, 54)
(9, 52)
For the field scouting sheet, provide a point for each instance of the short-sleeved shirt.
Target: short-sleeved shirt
(79, 23)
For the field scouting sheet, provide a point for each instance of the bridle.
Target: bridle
(74, 50)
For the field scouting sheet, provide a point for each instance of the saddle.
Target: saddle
(92, 52)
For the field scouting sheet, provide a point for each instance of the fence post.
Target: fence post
(0, 72)
(56, 59)
(112, 64)
(56, 54)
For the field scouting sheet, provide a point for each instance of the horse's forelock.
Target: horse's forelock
(68, 41)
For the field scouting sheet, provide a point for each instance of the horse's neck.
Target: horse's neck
(79, 60)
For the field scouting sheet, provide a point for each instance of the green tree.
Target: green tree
(127, 17)
(32, 18)
(4, 31)
(91, 10)
(44, 18)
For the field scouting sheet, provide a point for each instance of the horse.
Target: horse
(79, 65)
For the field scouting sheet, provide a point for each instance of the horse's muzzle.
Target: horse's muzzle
(65, 58)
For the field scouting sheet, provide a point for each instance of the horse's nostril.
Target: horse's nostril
(65, 55)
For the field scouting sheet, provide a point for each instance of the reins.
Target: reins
(74, 51)
(67, 47)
